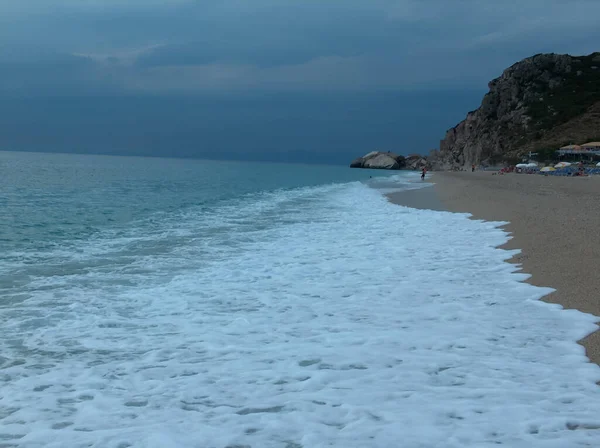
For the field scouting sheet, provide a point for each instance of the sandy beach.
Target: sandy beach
(553, 220)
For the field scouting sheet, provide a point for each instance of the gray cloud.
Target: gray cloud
(186, 45)
(271, 79)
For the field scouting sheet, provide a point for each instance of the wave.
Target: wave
(302, 317)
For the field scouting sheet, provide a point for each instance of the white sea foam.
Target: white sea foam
(304, 318)
(405, 180)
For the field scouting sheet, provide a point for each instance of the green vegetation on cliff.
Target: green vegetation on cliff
(539, 103)
(578, 90)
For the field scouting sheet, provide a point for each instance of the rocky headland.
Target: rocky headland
(539, 104)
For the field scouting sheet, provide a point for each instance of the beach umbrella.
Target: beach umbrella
(562, 165)
(547, 169)
(521, 165)
(532, 165)
(598, 164)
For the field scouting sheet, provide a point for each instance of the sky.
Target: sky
(316, 81)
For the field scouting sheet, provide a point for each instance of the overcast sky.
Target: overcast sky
(144, 75)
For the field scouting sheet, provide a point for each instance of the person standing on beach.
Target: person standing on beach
(423, 171)
(473, 168)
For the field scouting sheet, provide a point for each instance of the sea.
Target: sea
(148, 302)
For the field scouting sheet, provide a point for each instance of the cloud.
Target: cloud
(232, 45)
(536, 23)
(251, 76)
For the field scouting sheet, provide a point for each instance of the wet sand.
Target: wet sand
(555, 221)
(424, 198)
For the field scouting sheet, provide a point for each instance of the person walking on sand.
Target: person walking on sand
(473, 168)
(423, 171)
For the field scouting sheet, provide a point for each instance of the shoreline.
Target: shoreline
(552, 221)
(425, 198)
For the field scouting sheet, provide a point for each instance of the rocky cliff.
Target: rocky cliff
(540, 103)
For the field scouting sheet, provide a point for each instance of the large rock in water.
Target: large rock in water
(379, 160)
(357, 163)
(371, 155)
(382, 162)
(416, 162)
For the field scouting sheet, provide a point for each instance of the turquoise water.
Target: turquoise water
(53, 197)
(186, 303)
(53, 203)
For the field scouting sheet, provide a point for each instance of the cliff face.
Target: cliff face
(542, 102)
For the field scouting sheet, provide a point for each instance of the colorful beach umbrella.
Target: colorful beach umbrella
(562, 165)
(547, 169)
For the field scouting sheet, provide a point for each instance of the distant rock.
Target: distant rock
(400, 159)
(379, 160)
(357, 163)
(416, 162)
(371, 155)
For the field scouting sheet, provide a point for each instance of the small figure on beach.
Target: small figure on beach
(473, 168)
(423, 171)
